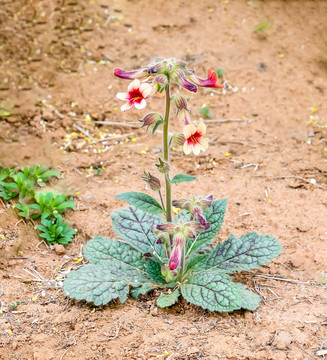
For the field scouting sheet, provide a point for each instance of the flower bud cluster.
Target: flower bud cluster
(196, 206)
(180, 233)
(161, 70)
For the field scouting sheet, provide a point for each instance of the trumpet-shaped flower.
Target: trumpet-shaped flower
(137, 94)
(179, 76)
(211, 81)
(194, 138)
(134, 74)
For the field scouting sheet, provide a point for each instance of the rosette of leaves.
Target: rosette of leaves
(8, 190)
(55, 231)
(25, 185)
(50, 204)
(40, 173)
(134, 264)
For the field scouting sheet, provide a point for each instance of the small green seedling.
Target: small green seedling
(6, 172)
(40, 174)
(205, 111)
(24, 209)
(8, 191)
(12, 306)
(220, 72)
(261, 26)
(49, 204)
(55, 231)
(25, 185)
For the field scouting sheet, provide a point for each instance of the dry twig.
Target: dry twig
(222, 121)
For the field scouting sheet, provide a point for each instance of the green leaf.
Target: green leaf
(100, 283)
(180, 178)
(159, 122)
(154, 271)
(99, 249)
(244, 253)
(215, 216)
(166, 300)
(142, 290)
(212, 290)
(134, 227)
(197, 263)
(250, 301)
(142, 201)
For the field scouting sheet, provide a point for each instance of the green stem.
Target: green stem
(166, 155)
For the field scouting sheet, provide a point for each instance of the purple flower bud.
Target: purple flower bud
(150, 119)
(180, 63)
(134, 74)
(202, 220)
(182, 204)
(168, 227)
(181, 102)
(152, 181)
(155, 68)
(179, 76)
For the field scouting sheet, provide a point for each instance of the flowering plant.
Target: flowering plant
(159, 250)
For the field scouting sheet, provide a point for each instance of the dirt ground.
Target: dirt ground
(56, 82)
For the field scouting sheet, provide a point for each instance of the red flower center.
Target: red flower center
(194, 139)
(135, 95)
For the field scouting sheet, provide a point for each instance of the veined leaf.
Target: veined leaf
(244, 253)
(212, 290)
(134, 227)
(154, 271)
(142, 201)
(99, 249)
(215, 216)
(250, 301)
(102, 282)
(166, 300)
(142, 290)
(180, 178)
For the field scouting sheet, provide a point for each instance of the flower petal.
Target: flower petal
(187, 148)
(126, 106)
(122, 96)
(135, 84)
(189, 130)
(140, 104)
(203, 143)
(196, 149)
(146, 92)
(201, 128)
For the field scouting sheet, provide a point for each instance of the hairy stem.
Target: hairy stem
(166, 155)
(182, 261)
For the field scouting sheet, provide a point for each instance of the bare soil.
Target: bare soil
(56, 81)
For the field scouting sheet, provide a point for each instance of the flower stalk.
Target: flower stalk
(166, 155)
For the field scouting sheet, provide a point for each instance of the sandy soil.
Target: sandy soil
(56, 65)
